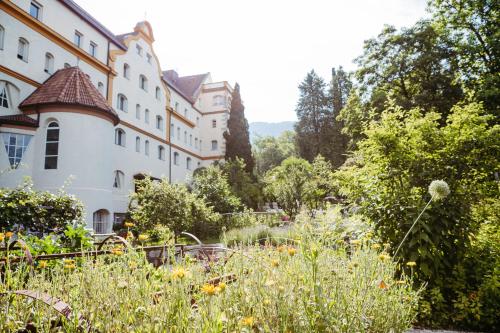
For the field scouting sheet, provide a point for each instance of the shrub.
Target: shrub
(36, 211)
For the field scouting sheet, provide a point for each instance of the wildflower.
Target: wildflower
(209, 289)
(280, 248)
(356, 242)
(9, 234)
(117, 251)
(222, 286)
(275, 263)
(70, 266)
(439, 189)
(129, 224)
(42, 264)
(142, 238)
(179, 273)
(376, 246)
(130, 235)
(291, 251)
(248, 321)
(69, 261)
(383, 285)
(266, 302)
(2, 236)
(384, 257)
(132, 265)
(411, 264)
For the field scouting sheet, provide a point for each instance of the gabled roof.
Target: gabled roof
(70, 86)
(18, 119)
(188, 86)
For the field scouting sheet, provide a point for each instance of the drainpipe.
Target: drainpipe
(169, 114)
(107, 76)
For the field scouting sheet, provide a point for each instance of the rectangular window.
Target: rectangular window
(148, 56)
(15, 145)
(78, 39)
(93, 49)
(36, 10)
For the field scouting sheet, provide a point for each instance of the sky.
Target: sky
(268, 47)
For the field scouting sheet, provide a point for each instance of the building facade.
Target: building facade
(92, 111)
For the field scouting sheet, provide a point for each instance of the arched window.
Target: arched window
(4, 98)
(161, 153)
(214, 123)
(158, 93)
(200, 145)
(137, 144)
(100, 87)
(146, 147)
(118, 179)
(188, 163)
(122, 103)
(185, 137)
(178, 133)
(146, 116)
(101, 221)
(49, 63)
(126, 71)
(120, 137)
(214, 145)
(196, 143)
(143, 82)
(2, 36)
(159, 123)
(138, 111)
(23, 49)
(176, 158)
(52, 146)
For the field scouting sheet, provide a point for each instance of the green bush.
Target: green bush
(36, 211)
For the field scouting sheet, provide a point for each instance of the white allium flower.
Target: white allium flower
(439, 189)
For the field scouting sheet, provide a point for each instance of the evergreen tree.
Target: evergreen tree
(237, 136)
(339, 92)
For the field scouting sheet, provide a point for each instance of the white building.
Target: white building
(82, 106)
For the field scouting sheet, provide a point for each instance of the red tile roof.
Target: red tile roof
(187, 85)
(18, 119)
(70, 86)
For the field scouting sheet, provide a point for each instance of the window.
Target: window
(219, 100)
(214, 123)
(146, 147)
(52, 146)
(146, 116)
(143, 82)
(4, 99)
(93, 49)
(159, 123)
(176, 158)
(138, 111)
(118, 181)
(197, 121)
(148, 56)
(2, 36)
(100, 219)
(172, 131)
(176, 106)
(158, 93)
(185, 113)
(15, 145)
(66, 65)
(161, 153)
(200, 144)
(196, 142)
(36, 10)
(138, 49)
(190, 139)
(100, 87)
(126, 71)
(188, 163)
(49, 63)
(22, 49)
(178, 133)
(137, 144)
(214, 144)
(122, 103)
(120, 137)
(78, 39)
(185, 137)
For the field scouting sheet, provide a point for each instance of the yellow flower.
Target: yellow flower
(179, 273)
(132, 265)
(2, 236)
(384, 257)
(117, 251)
(266, 302)
(222, 286)
(69, 266)
(142, 238)
(129, 224)
(130, 235)
(280, 248)
(42, 263)
(291, 251)
(209, 289)
(9, 234)
(383, 285)
(275, 263)
(376, 246)
(356, 242)
(411, 264)
(69, 261)
(248, 321)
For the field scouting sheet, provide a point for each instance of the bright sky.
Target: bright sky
(267, 46)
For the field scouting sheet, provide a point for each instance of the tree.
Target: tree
(354, 117)
(270, 151)
(243, 185)
(321, 184)
(340, 89)
(237, 136)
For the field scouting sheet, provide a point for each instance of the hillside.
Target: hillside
(262, 128)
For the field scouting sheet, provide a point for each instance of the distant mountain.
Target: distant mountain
(261, 128)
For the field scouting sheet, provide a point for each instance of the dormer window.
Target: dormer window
(143, 82)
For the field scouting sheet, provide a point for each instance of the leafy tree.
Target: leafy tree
(212, 185)
(321, 183)
(354, 117)
(170, 205)
(270, 151)
(243, 185)
(237, 136)
(288, 184)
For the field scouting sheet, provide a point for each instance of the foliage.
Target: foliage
(311, 287)
(25, 208)
(243, 184)
(237, 136)
(171, 205)
(321, 183)
(270, 151)
(355, 118)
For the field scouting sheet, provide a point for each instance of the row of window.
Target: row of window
(143, 81)
(120, 140)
